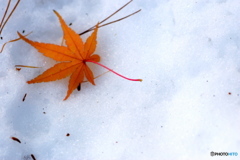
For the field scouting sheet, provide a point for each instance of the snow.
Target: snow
(187, 53)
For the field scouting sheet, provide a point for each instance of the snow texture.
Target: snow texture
(187, 53)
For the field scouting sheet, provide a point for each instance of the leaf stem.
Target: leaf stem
(114, 71)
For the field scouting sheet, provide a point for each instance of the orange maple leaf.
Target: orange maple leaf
(73, 58)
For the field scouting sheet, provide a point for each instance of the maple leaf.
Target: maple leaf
(72, 58)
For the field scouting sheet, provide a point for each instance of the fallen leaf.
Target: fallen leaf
(72, 58)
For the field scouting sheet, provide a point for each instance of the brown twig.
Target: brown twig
(12, 41)
(3, 23)
(24, 97)
(5, 14)
(26, 66)
(16, 139)
(93, 27)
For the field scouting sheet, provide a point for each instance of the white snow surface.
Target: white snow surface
(187, 53)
